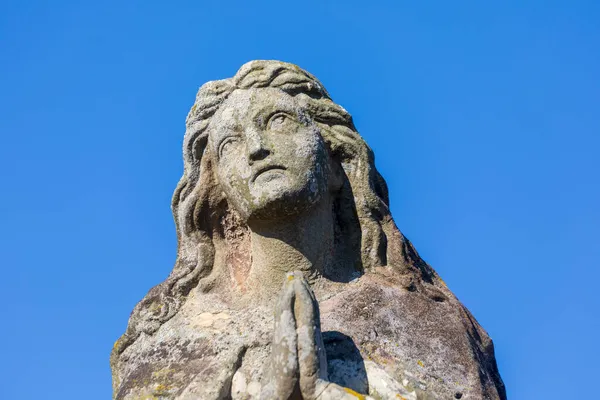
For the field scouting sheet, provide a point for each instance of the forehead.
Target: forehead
(250, 103)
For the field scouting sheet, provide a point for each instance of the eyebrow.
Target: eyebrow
(254, 116)
(271, 109)
(226, 130)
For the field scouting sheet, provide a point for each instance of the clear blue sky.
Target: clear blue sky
(484, 119)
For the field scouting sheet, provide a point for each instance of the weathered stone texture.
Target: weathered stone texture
(292, 280)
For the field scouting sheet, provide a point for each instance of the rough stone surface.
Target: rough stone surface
(292, 280)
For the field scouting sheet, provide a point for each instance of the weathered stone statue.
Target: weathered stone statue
(292, 280)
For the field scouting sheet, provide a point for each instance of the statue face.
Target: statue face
(270, 158)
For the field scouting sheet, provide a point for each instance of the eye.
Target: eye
(278, 121)
(227, 145)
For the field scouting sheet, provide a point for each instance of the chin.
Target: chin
(281, 203)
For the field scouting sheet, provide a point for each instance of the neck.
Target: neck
(301, 243)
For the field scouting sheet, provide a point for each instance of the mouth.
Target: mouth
(266, 168)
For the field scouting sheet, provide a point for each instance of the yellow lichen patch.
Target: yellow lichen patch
(398, 396)
(161, 388)
(156, 308)
(290, 278)
(355, 394)
(442, 281)
(420, 363)
(163, 373)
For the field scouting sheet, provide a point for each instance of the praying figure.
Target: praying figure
(292, 280)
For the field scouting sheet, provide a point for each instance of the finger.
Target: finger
(305, 306)
(311, 357)
(285, 301)
(284, 359)
(308, 288)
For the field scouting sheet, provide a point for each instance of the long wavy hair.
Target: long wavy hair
(366, 236)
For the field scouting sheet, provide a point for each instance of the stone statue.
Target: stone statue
(292, 280)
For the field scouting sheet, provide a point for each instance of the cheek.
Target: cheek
(238, 171)
(313, 160)
(233, 175)
(307, 145)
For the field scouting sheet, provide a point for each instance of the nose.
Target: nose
(256, 146)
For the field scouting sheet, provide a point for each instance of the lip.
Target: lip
(266, 168)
